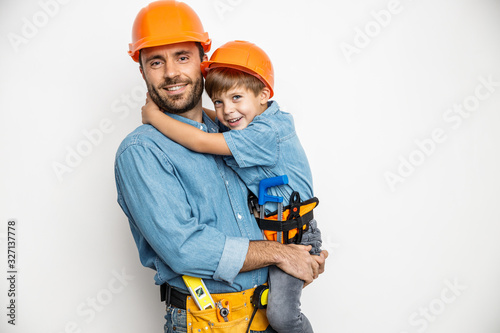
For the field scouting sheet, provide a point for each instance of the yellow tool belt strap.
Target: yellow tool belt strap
(240, 310)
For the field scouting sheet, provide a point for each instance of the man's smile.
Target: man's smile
(175, 89)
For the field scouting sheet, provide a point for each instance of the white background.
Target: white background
(420, 254)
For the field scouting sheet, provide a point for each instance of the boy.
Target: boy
(261, 143)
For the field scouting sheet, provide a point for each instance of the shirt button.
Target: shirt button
(240, 217)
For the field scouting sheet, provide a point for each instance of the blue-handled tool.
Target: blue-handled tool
(264, 197)
(267, 183)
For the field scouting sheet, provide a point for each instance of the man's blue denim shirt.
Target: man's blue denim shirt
(187, 211)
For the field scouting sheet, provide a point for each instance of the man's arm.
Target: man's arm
(146, 184)
(156, 203)
(292, 259)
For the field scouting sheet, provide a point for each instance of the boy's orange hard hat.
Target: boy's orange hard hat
(166, 22)
(244, 56)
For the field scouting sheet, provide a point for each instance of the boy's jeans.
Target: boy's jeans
(283, 309)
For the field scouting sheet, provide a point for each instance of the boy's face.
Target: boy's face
(237, 107)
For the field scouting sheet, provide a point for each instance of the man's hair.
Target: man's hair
(198, 45)
(222, 79)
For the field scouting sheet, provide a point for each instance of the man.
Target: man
(187, 211)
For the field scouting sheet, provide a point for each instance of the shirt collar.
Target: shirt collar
(207, 126)
(272, 108)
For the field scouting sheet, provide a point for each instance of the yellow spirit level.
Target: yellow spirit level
(199, 291)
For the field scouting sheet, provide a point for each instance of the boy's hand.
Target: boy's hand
(149, 111)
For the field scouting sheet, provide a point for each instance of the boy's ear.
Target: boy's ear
(265, 94)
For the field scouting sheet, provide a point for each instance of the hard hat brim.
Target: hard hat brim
(134, 48)
(206, 66)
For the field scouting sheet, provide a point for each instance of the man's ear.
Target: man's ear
(264, 95)
(205, 57)
(142, 72)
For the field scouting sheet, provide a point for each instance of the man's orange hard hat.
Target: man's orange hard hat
(166, 22)
(244, 56)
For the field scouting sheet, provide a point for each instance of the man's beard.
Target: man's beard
(177, 104)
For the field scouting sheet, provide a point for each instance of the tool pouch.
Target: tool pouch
(296, 218)
(241, 312)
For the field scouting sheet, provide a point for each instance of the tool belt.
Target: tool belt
(240, 311)
(296, 218)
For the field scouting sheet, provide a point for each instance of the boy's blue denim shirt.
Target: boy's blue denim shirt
(187, 211)
(268, 147)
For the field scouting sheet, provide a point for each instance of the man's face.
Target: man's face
(173, 76)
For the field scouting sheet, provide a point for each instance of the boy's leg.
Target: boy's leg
(313, 237)
(283, 308)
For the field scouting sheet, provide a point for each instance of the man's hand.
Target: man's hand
(321, 263)
(292, 259)
(297, 261)
(149, 111)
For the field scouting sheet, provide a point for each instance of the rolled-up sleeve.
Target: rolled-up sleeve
(159, 209)
(232, 259)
